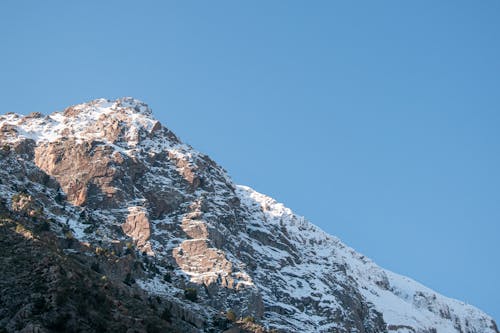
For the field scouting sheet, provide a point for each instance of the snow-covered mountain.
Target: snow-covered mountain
(172, 225)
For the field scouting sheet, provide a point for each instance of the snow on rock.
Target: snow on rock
(126, 178)
(406, 305)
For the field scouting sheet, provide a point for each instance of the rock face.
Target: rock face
(138, 228)
(160, 221)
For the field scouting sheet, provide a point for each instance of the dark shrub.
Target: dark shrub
(95, 267)
(166, 315)
(191, 294)
(129, 280)
(42, 226)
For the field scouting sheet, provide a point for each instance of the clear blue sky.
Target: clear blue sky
(377, 120)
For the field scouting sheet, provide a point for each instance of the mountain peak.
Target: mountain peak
(129, 105)
(124, 122)
(106, 177)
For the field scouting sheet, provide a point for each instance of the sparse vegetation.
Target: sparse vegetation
(21, 229)
(95, 267)
(153, 268)
(130, 248)
(89, 229)
(166, 315)
(39, 305)
(191, 294)
(38, 212)
(42, 226)
(100, 251)
(153, 325)
(59, 197)
(129, 280)
(230, 315)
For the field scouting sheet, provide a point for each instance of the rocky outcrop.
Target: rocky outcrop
(138, 228)
(89, 172)
(124, 208)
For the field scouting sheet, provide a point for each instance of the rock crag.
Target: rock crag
(155, 237)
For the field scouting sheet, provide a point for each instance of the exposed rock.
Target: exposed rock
(114, 210)
(138, 228)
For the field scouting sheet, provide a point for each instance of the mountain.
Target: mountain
(110, 223)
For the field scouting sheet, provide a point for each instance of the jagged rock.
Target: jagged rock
(137, 227)
(132, 211)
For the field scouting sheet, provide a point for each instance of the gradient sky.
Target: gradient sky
(377, 120)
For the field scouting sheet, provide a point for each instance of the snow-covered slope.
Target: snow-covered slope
(406, 305)
(126, 177)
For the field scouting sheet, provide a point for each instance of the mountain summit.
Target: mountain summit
(110, 223)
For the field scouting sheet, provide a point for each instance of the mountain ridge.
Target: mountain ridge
(126, 178)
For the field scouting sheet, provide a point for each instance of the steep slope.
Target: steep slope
(114, 177)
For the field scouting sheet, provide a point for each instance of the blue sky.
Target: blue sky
(378, 121)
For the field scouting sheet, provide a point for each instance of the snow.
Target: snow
(402, 301)
(91, 121)
(315, 269)
(157, 286)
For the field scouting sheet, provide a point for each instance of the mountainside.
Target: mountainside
(125, 227)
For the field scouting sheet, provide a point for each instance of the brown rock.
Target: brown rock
(138, 228)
